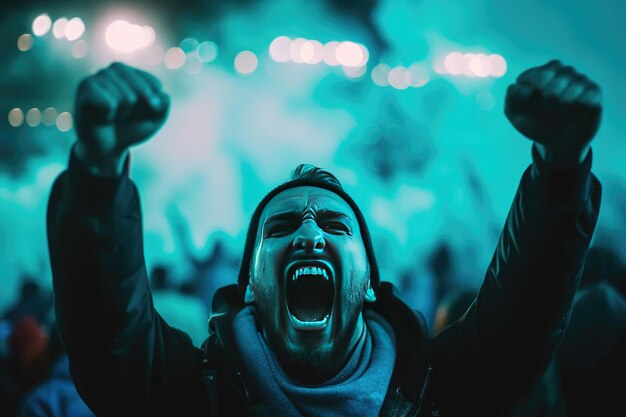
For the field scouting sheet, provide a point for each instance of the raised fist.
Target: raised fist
(557, 107)
(116, 108)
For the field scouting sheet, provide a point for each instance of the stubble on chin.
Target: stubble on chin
(312, 366)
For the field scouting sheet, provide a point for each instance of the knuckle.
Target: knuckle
(104, 72)
(130, 97)
(86, 83)
(526, 74)
(593, 87)
(544, 76)
(152, 79)
(581, 79)
(555, 63)
(530, 82)
(551, 96)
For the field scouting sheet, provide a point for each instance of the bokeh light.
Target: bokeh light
(349, 54)
(207, 51)
(280, 49)
(42, 24)
(245, 62)
(49, 116)
(64, 122)
(16, 117)
(307, 51)
(498, 65)
(294, 50)
(74, 29)
(419, 75)
(480, 65)
(330, 53)
(454, 63)
(174, 58)
(58, 28)
(80, 49)
(24, 42)
(33, 117)
(380, 74)
(439, 65)
(312, 52)
(473, 65)
(126, 37)
(399, 78)
(467, 70)
(189, 45)
(365, 55)
(149, 35)
(354, 73)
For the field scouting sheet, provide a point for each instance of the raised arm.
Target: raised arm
(504, 342)
(124, 358)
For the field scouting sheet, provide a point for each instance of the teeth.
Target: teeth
(309, 270)
(309, 325)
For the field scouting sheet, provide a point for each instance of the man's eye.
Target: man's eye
(280, 230)
(336, 227)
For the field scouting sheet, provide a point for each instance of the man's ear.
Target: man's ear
(248, 298)
(370, 296)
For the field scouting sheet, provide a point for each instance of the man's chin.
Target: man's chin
(310, 365)
(311, 357)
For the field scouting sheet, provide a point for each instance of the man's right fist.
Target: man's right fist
(116, 108)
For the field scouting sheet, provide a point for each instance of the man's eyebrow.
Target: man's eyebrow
(326, 214)
(284, 216)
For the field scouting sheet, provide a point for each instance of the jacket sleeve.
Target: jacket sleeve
(490, 357)
(123, 356)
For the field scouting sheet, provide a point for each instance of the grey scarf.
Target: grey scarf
(358, 390)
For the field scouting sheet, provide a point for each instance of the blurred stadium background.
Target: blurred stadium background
(403, 100)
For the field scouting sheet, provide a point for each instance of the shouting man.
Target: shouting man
(310, 329)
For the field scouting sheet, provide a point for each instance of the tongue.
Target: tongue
(310, 298)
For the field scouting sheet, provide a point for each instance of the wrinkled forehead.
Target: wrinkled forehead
(300, 199)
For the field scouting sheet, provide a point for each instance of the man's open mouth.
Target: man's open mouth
(310, 293)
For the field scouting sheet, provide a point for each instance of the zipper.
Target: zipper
(244, 389)
(417, 407)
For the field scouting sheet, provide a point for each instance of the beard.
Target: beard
(308, 365)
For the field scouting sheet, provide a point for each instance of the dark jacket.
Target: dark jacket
(125, 359)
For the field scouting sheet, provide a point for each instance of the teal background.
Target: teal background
(453, 162)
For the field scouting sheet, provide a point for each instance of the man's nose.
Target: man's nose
(309, 237)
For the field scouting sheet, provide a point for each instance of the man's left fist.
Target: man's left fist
(557, 107)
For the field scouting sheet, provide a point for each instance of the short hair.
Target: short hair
(316, 174)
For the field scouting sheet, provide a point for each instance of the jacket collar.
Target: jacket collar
(413, 343)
